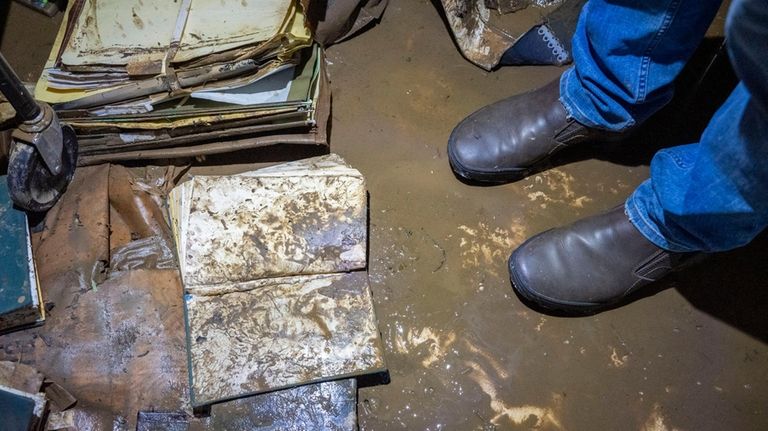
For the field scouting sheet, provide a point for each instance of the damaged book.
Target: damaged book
(273, 264)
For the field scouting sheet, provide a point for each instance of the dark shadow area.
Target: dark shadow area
(440, 11)
(702, 87)
(52, 8)
(5, 8)
(26, 36)
(380, 378)
(732, 287)
(5, 143)
(271, 154)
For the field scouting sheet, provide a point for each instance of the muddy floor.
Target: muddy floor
(464, 353)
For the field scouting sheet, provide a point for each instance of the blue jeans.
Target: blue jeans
(709, 196)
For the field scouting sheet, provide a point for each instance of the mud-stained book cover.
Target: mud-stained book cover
(276, 293)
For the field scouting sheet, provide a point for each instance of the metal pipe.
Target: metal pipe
(13, 90)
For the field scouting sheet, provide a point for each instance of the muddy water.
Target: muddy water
(463, 352)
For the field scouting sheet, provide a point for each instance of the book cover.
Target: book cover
(20, 299)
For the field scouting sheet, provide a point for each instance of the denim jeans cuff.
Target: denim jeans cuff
(569, 83)
(571, 107)
(640, 220)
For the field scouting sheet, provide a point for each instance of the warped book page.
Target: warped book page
(62, 82)
(221, 25)
(114, 32)
(111, 32)
(316, 328)
(301, 220)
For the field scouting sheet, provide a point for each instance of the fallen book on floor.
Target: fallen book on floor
(273, 264)
(22, 411)
(308, 329)
(27, 398)
(21, 304)
(200, 77)
(327, 406)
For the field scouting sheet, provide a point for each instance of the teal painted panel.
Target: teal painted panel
(16, 411)
(19, 302)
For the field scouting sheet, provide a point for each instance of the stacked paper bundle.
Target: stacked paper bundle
(156, 78)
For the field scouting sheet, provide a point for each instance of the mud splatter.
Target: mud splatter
(91, 22)
(554, 186)
(430, 343)
(656, 421)
(532, 416)
(499, 369)
(617, 360)
(488, 247)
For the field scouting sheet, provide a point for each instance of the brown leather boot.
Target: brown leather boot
(512, 138)
(592, 264)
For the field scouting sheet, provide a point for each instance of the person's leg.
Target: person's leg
(626, 55)
(713, 196)
(709, 196)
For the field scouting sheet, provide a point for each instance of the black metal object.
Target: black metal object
(13, 90)
(43, 155)
(50, 7)
(31, 184)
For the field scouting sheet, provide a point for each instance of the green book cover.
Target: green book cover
(22, 411)
(20, 300)
(16, 410)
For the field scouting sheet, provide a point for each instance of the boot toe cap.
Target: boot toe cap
(528, 275)
(468, 150)
(536, 271)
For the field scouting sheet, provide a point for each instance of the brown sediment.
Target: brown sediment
(463, 352)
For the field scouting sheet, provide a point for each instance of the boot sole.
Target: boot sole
(575, 308)
(485, 177)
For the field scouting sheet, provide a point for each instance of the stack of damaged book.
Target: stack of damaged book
(148, 79)
(276, 293)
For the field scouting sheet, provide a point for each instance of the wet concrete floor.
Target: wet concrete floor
(463, 352)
